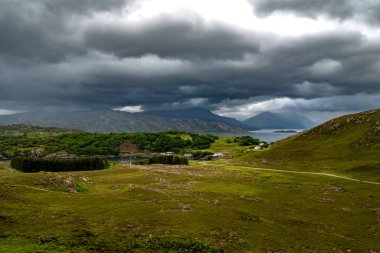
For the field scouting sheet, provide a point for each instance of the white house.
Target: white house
(188, 156)
(217, 155)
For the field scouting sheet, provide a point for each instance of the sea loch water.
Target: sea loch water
(267, 135)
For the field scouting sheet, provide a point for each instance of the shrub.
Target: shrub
(141, 162)
(37, 164)
(169, 159)
(247, 141)
(197, 155)
(81, 187)
(174, 244)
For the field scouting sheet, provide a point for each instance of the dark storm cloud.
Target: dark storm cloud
(45, 30)
(64, 53)
(171, 37)
(364, 10)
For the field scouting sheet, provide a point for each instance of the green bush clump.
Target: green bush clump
(81, 187)
(246, 141)
(169, 159)
(38, 164)
(198, 155)
(163, 159)
(87, 241)
(141, 162)
(175, 244)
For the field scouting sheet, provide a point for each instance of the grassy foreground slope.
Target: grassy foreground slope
(346, 145)
(185, 209)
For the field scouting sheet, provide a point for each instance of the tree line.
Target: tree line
(56, 165)
(164, 159)
(92, 144)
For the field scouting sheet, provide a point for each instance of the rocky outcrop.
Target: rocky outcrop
(61, 155)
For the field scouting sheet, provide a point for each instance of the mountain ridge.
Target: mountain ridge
(115, 121)
(199, 113)
(269, 120)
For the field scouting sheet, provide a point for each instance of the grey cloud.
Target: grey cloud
(56, 54)
(328, 105)
(44, 30)
(171, 37)
(366, 11)
(105, 79)
(337, 8)
(81, 7)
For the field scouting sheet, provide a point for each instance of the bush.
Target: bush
(247, 141)
(56, 165)
(169, 159)
(174, 244)
(202, 141)
(198, 155)
(141, 162)
(81, 187)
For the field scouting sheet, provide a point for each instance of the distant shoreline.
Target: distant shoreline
(285, 132)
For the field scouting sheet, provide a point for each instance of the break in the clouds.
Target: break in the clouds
(237, 57)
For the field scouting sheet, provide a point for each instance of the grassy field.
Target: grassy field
(203, 208)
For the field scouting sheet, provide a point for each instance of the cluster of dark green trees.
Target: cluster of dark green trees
(246, 141)
(91, 144)
(170, 141)
(164, 159)
(56, 165)
(198, 155)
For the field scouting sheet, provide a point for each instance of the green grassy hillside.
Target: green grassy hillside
(348, 145)
(185, 209)
(30, 131)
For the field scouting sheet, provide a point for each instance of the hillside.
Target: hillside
(348, 145)
(106, 120)
(269, 120)
(22, 129)
(185, 209)
(202, 114)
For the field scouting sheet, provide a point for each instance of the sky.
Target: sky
(237, 58)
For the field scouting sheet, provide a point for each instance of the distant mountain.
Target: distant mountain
(199, 113)
(106, 120)
(269, 120)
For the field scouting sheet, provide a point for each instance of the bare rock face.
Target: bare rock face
(61, 155)
(38, 152)
(127, 146)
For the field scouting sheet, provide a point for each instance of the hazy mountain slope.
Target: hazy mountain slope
(268, 120)
(104, 120)
(199, 113)
(350, 144)
(35, 131)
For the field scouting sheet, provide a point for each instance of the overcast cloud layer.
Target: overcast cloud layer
(237, 58)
